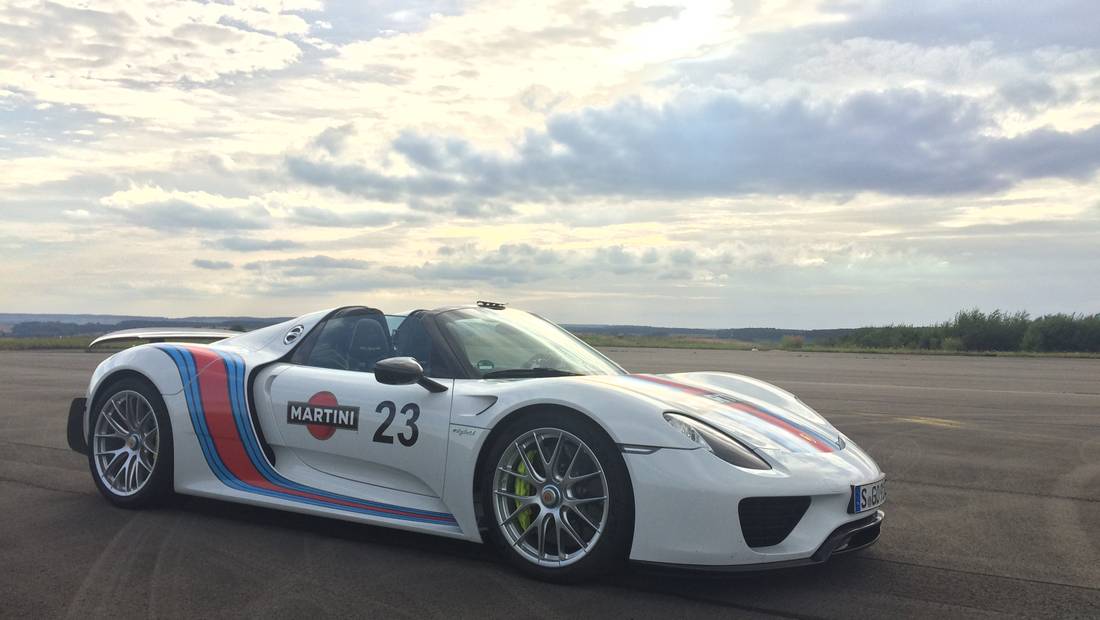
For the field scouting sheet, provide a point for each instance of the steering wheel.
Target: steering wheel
(328, 357)
(542, 360)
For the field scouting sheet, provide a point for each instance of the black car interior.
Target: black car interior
(358, 338)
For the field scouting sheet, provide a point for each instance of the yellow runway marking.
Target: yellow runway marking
(885, 417)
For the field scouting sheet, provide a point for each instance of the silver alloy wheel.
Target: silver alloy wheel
(125, 442)
(550, 497)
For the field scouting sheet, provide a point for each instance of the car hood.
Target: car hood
(757, 413)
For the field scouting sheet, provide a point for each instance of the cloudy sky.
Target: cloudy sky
(795, 164)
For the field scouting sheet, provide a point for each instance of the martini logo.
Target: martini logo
(322, 415)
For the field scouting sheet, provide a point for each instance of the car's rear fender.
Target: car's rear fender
(146, 362)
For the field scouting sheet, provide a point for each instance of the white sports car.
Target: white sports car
(480, 422)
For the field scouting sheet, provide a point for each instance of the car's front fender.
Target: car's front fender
(628, 417)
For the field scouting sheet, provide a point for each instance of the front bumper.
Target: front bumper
(75, 431)
(687, 508)
(848, 537)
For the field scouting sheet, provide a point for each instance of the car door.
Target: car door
(332, 413)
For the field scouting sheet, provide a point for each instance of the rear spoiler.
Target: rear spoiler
(160, 334)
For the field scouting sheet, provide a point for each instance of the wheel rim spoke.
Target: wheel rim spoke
(141, 461)
(116, 454)
(527, 462)
(121, 468)
(543, 498)
(544, 523)
(538, 446)
(551, 465)
(135, 407)
(116, 424)
(527, 531)
(512, 517)
(572, 480)
(132, 473)
(573, 534)
(516, 474)
(141, 422)
(526, 499)
(580, 514)
(572, 462)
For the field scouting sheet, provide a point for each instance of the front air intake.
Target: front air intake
(767, 521)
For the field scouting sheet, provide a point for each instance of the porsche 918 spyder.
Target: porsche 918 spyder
(482, 423)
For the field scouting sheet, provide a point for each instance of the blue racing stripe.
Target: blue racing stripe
(194, 410)
(259, 460)
(235, 372)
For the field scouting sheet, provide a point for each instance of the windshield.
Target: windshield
(511, 343)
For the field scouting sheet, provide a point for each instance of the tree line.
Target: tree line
(974, 330)
(59, 329)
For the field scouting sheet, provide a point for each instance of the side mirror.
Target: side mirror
(404, 371)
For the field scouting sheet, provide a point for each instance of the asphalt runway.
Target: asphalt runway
(994, 510)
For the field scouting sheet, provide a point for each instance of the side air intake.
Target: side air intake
(767, 521)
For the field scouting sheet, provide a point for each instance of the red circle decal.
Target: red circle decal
(319, 431)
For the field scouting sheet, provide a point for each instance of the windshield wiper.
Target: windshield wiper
(520, 373)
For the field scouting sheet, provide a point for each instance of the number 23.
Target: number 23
(390, 409)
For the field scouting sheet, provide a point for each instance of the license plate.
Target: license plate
(868, 496)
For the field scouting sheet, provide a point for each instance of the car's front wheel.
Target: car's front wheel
(130, 445)
(558, 496)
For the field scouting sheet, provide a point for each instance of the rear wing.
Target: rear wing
(160, 334)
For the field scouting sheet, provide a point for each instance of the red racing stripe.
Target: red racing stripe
(767, 417)
(772, 419)
(683, 387)
(214, 391)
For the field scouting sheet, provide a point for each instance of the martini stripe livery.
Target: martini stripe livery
(818, 441)
(216, 402)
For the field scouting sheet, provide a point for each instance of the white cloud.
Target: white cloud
(794, 163)
(69, 47)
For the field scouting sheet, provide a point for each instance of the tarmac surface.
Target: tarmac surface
(994, 478)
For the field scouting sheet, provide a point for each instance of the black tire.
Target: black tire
(157, 488)
(610, 550)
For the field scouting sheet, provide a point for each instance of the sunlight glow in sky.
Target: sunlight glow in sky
(763, 163)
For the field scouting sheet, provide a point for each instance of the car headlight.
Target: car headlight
(720, 444)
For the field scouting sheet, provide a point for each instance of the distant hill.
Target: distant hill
(772, 334)
(106, 319)
(114, 319)
(51, 325)
(55, 325)
(747, 334)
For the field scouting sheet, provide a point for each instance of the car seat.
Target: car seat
(369, 344)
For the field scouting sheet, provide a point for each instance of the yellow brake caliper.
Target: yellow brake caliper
(523, 489)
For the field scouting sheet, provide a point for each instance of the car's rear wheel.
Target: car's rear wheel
(130, 446)
(558, 497)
